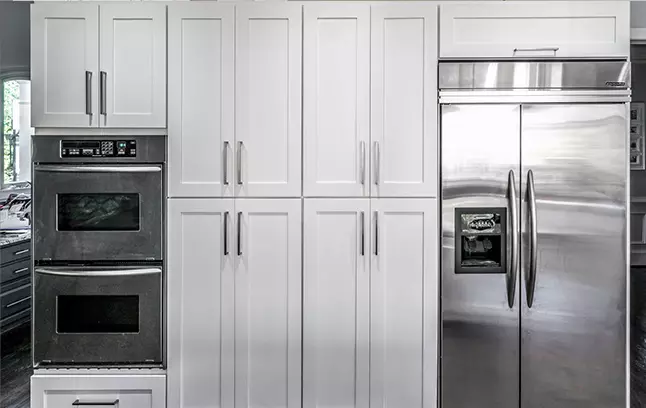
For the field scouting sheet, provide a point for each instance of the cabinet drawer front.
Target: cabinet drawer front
(15, 271)
(15, 300)
(15, 252)
(99, 398)
(531, 30)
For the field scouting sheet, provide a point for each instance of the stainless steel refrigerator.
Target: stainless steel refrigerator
(534, 239)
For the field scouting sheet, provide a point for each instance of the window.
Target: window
(16, 130)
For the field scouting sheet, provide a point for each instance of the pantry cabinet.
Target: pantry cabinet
(98, 65)
(234, 290)
(536, 29)
(375, 344)
(200, 99)
(370, 100)
(268, 100)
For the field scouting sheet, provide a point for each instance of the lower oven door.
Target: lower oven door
(97, 316)
(97, 212)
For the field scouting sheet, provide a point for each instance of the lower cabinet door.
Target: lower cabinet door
(403, 303)
(268, 303)
(119, 391)
(200, 303)
(336, 303)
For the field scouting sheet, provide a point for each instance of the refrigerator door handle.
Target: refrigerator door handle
(512, 268)
(530, 278)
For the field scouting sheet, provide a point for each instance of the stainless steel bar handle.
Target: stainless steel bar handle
(225, 163)
(377, 163)
(78, 403)
(51, 168)
(104, 98)
(533, 239)
(21, 270)
(226, 233)
(376, 232)
(363, 238)
(91, 272)
(512, 268)
(88, 94)
(240, 146)
(362, 159)
(24, 251)
(239, 226)
(17, 302)
(539, 49)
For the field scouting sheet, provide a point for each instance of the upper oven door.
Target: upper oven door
(97, 212)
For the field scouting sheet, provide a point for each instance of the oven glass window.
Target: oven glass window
(97, 314)
(98, 212)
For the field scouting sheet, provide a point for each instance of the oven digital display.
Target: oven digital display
(98, 148)
(98, 212)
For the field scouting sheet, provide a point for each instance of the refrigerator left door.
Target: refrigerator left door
(480, 147)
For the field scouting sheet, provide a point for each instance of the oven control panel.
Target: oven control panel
(98, 148)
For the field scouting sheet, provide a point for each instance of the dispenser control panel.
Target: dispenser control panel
(480, 240)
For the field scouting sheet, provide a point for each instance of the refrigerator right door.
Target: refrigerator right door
(573, 275)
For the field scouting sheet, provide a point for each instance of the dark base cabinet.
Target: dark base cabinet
(15, 285)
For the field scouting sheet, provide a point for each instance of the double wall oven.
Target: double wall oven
(98, 221)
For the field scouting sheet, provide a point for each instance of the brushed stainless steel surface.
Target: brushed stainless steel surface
(530, 277)
(480, 144)
(97, 271)
(567, 75)
(53, 348)
(573, 351)
(96, 169)
(512, 268)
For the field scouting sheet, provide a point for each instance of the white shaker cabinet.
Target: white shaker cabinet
(200, 303)
(404, 288)
(268, 100)
(536, 29)
(98, 65)
(404, 100)
(336, 99)
(201, 99)
(336, 296)
(268, 303)
(133, 65)
(64, 65)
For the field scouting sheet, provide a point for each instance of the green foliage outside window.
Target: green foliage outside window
(11, 92)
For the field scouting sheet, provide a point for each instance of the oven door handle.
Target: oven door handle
(98, 169)
(71, 271)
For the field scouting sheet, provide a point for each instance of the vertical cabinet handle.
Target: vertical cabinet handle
(533, 240)
(362, 162)
(240, 146)
(104, 100)
(376, 232)
(225, 163)
(226, 233)
(88, 94)
(377, 163)
(239, 233)
(363, 238)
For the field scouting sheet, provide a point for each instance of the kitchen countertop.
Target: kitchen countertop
(13, 237)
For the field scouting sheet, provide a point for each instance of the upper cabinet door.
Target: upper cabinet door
(200, 103)
(336, 296)
(268, 303)
(535, 29)
(404, 298)
(404, 100)
(200, 303)
(133, 65)
(336, 111)
(64, 65)
(268, 100)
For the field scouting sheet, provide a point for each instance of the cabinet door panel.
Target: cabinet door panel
(133, 57)
(64, 47)
(336, 303)
(268, 100)
(268, 303)
(336, 95)
(404, 100)
(200, 303)
(200, 90)
(404, 297)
